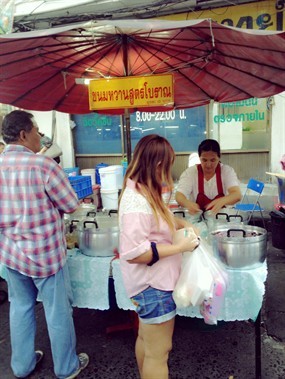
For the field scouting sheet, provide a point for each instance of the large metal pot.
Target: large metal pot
(84, 209)
(183, 212)
(107, 220)
(66, 221)
(100, 237)
(225, 216)
(240, 247)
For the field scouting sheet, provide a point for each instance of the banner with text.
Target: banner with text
(131, 92)
(263, 15)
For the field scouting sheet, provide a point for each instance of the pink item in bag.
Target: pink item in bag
(211, 307)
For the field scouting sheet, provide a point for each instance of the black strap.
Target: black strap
(155, 256)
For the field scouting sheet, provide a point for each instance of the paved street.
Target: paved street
(199, 352)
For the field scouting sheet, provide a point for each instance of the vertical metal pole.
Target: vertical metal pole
(122, 120)
(257, 346)
(128, 135)
(127, 113)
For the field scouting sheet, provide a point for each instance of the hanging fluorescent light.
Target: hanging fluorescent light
(82, 81)
(28, 7)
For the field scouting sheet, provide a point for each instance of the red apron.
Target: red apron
(202, 200)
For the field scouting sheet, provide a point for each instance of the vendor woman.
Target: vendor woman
(210, 184)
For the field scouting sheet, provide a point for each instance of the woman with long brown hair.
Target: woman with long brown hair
(150, 262)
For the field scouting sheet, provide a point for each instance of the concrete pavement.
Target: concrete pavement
(199, 351)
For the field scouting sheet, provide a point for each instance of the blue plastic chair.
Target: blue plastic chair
(254, 188)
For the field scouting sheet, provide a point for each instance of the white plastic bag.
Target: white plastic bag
(203, 281)
(195, 281)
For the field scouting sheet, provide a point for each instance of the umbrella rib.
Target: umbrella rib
(206, 59)
(58, 48)
(51, 64)
(64, 72)
(173, 54)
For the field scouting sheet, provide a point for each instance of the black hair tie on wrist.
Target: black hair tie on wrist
(155, 256)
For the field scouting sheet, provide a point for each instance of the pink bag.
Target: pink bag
(211, 306)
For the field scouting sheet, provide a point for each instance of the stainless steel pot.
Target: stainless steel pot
(97, 241)
(240, 247)
(107, 220)
(84, 208)
(225, 216)
(66, 221)
(183, 212)
(74, 223)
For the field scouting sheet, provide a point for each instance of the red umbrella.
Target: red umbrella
(39, 69)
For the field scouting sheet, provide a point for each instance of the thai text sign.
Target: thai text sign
(131, 92)
(263, 15)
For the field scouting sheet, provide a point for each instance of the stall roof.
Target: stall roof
(39, 14)
(39, 70)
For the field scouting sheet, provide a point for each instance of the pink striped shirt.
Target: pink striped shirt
(34, 194)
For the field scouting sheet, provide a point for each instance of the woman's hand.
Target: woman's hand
(181, 223)
(232, 198)
(216, 205)
(185, 203)
(192, 207)
(188, 243)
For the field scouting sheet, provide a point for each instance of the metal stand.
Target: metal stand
(257, 346)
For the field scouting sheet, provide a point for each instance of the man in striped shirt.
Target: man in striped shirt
(34, 195)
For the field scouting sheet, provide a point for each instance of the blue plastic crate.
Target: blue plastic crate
(82, 185)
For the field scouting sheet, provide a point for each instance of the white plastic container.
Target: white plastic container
(89, 172)
(111, 177)
(109, 198)
(120, 175)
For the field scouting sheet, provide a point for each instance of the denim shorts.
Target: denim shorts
(154, 306)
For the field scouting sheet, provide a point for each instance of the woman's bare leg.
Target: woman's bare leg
(140, 349)
(152, 349)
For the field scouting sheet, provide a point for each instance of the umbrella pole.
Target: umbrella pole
(128, 134)
(127, 113)
(122, 136)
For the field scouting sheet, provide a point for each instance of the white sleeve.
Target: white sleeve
(188, 182)
(229, 178)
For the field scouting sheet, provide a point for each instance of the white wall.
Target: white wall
(277, 132)
(63, 135)
(64, 139)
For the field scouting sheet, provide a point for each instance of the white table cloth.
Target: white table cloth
(90, 285)
(243, 299)
(89, 278)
